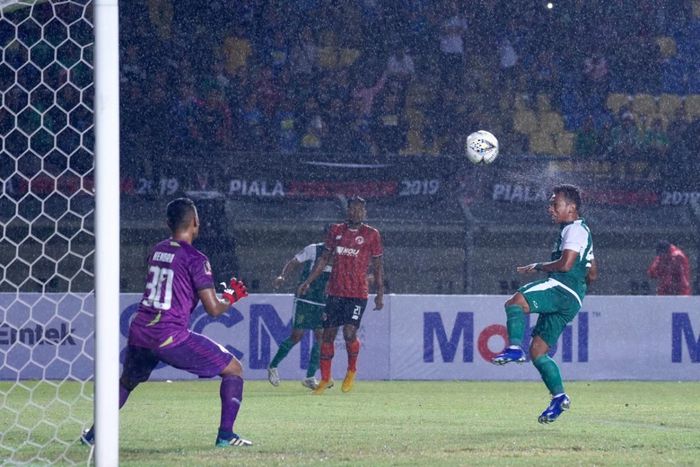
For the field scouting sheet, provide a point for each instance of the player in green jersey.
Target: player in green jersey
(308, 311)
(557, 299)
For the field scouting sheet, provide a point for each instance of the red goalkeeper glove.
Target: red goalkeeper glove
(235, 291)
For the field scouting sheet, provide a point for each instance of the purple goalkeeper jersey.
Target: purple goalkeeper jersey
(176, 272)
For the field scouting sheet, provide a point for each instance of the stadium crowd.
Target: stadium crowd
(408, 77)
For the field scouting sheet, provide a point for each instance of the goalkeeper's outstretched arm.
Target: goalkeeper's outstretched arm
(213, 305)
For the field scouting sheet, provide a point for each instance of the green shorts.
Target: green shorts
(307, 314)
(555, 305)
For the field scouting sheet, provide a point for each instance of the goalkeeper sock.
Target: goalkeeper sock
(327, 351)
(313, 360)
(231, 393)
(515, 323)
(282, 352)
(353, 349)
(549, 371)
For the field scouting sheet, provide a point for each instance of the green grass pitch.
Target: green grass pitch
(399, 423)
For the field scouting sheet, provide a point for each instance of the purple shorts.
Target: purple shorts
(197, 354)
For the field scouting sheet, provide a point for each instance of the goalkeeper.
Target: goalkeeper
(178, 277)
(308, 313)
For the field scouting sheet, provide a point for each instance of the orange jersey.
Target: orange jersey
(351, 251)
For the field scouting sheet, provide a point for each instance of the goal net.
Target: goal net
(47, 241)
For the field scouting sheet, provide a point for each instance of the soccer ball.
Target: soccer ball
(481, 147)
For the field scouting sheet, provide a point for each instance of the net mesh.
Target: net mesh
(46, 230)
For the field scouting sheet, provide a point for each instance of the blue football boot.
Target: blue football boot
(512, 353)
(559, 404)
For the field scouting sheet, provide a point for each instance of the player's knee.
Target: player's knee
(234, 368)
(538, 347)
(295, 337)
(518, 299)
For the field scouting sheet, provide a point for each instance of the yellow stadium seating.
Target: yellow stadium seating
(551, 122)
(616, 101)
(506, 103)
(668, 104)
(692, 106)
(644, 104)
(544, 103)
(524, 121)
(542, 143)
(414, 136)
(523, 102)
(564, 143)
(667, 46)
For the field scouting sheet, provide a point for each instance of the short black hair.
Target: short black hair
(572, 193)
(662, 247)
(356, 200)
(179, 212)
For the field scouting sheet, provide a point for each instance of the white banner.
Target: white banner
(413, 337)
(620, 337)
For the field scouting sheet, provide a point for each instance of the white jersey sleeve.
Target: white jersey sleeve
(574, 237)
(307, 254)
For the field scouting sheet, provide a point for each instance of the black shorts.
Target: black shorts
(343, 310)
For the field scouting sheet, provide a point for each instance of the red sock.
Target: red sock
(326, 358)
(353, 349)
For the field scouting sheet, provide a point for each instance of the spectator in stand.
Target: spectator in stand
(339, 87)
(417, 30)
(656, 143)
(286, 123)
(131, 72)
(508, 62)
(678, 167)
(304, 54)
(625, 138)
(544, 74)
(452, 32)
(365, 93)
(339, 124)
(277, 53)
(390, 128)
(596, 75)
(185, 112)
(671, 269)
(400, 65)
(253, 132)
(400, 70)
(315, 130)
(213, 126)
(268, 92)
(236, 51)
(586, 142)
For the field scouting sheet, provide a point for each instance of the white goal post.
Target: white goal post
(59, 230)
(107, 232)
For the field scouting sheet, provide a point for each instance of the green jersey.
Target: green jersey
(574, 236)
(317, 290)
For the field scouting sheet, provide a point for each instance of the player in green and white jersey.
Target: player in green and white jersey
(308, 311)
(557, 299)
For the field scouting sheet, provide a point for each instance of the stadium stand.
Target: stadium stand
(236, 94)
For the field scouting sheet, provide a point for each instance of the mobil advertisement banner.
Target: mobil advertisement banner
(51, 336)
(620, 337)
